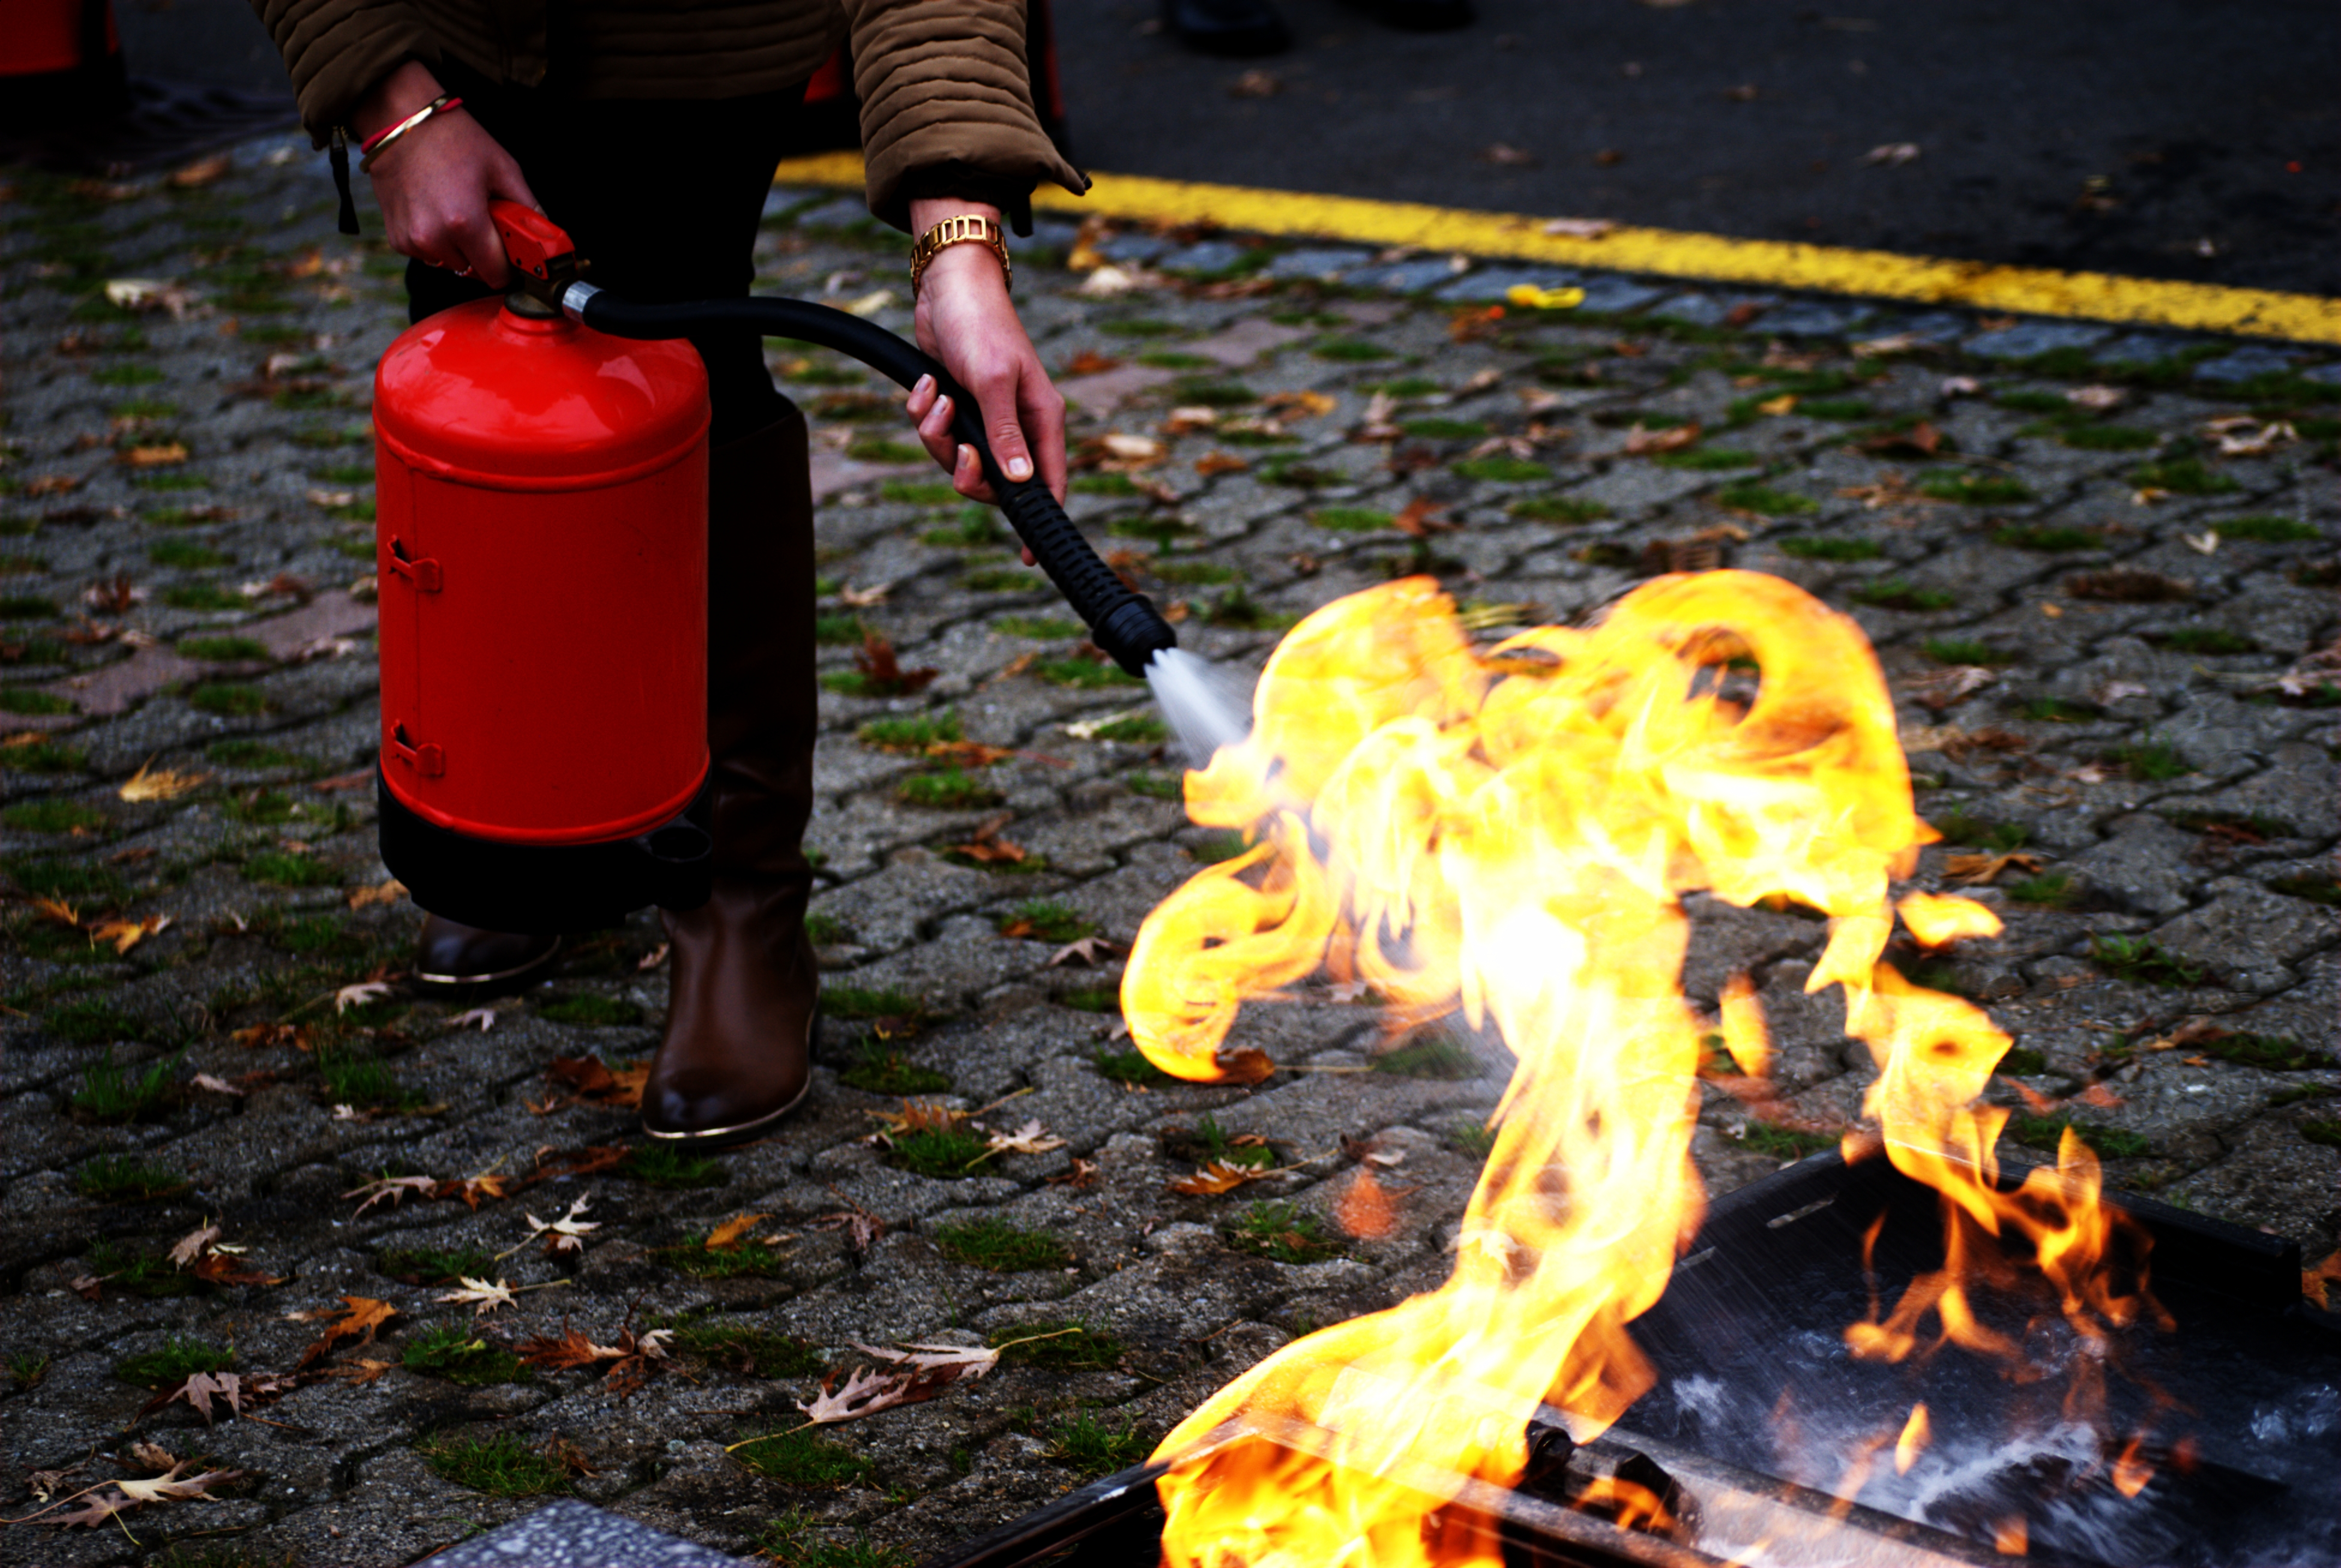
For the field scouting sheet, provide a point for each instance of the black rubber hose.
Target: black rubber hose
(1123, 622)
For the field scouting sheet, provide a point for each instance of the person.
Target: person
(649, 129)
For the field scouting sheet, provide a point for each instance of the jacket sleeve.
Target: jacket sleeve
(944, 84)
(337, 50)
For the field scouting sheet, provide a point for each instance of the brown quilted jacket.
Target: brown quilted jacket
(943, 83)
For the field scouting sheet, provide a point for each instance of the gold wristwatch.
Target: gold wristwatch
(963, 229)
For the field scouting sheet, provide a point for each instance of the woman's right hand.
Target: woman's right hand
(435, 181)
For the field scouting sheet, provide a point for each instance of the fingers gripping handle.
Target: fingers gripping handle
(1123, 623)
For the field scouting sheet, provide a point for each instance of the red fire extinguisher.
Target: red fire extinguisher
(541, 538)
(60, 63)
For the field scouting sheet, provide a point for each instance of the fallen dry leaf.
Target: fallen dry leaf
(2317, 1282)
(1420, 519)
(589, 1079)
(918, 1117)
(483, 1296)
(395, 1188)
(1366, 1208)
(201, 172)
(359, 994)
(149, 294)
(882, 671)
(988, 848)
(1300, 405)
(1109, 280)
(389, 893)
(361, 1316)
(158, 456)
(1893, 343)
(1081, 1174)
(124, 934)
(472, 1189)
(1247, 1066)
(968, 1362)
(153, 1455)
(193, 1246)
(1942, 688)
(2259, 443)
(1921, 440)
(230, 1389)
(1217, 1177)
(865, 1393)
(219, 1268)
(729, 1233)
(567, 1234)
(1504, 155)
(1030, 1138)
(1642, 442)
(861, 1227)
(1083, 950)
(1982, 869)
(566, 1354)
(1090, 362)
(52, 484)
(1213, 463)
(1892, 154)
(1579, 228)
(479, 1018)
(1121, 447)
(101, 1507)
(213, 1084)
(1255, 84)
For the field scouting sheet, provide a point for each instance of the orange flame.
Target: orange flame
(1913, 1440)
(2132, 1470)
(1509, 834)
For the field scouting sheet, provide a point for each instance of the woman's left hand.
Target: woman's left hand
(965, 319)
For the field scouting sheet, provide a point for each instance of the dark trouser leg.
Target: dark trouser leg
(664, 199)
(737, 1049)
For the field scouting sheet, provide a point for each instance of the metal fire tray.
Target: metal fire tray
(1768, 1286)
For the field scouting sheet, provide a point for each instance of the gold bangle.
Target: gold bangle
(965, 228)
(381, 142)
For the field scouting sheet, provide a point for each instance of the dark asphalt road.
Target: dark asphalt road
(2120, 135)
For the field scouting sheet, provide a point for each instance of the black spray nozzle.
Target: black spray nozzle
(1123, 622)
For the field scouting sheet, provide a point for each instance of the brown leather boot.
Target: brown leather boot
(450, 953)
(745, 987)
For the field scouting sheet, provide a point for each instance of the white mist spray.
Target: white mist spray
(1207, 704)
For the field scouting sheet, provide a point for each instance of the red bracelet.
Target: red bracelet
(438, 105)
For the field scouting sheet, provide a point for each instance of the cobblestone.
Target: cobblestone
(2166, 763)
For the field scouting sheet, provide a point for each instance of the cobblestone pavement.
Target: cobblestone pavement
(2098, 568)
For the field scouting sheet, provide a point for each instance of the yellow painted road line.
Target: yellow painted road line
(1679, 254)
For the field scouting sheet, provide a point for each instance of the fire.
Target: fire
(1508, 833)
(1913, 1440)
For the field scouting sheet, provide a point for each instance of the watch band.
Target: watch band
(966, 228)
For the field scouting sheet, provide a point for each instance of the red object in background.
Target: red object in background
(42, 36)
(541, 532)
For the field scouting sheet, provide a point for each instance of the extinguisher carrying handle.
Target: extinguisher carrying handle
(1123, 623)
